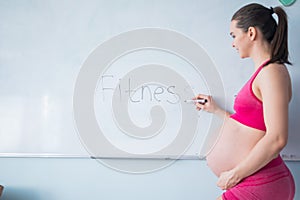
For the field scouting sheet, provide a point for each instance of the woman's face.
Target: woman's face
(241, 40)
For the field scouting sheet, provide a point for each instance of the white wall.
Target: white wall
(61, 179)
(45, 43)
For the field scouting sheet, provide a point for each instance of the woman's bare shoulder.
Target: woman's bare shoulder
(275, 72)
(276, 77)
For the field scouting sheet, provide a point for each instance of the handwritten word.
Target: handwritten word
(153, 92)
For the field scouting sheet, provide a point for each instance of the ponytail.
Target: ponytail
(279, 44)
(276, 35)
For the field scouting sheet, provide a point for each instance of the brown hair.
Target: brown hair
(258, 16)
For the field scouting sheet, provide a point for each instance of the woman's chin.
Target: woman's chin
(243, 56)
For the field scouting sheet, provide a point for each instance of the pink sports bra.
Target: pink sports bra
(248, 108)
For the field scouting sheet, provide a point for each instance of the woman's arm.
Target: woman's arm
(273, 85)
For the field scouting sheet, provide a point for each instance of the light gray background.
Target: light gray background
(44, 44)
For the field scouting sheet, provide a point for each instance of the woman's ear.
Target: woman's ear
(252, 33)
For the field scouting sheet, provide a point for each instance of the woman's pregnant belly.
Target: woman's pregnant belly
(234, 144)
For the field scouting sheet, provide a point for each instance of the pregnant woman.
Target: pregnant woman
(246, 156)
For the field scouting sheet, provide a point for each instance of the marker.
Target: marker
(202, 101)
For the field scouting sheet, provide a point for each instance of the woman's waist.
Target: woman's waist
(274, 170)
(234, 128)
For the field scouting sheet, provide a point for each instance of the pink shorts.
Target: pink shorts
(272, 182)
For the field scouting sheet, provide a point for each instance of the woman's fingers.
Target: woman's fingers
(201, 96)
(200, 106)
(209, 104)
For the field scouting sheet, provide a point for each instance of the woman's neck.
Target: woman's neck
(261, 53)
(258, 61)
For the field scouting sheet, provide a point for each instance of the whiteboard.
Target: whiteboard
(63, 65)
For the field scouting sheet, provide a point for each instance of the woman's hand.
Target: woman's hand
(228, 180)
(209, 106)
